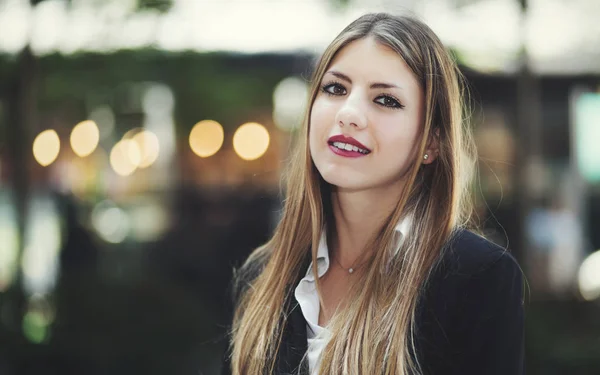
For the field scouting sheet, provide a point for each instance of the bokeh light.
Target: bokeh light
(149, 147)
(104, 117)
(46, 147)
(110, 222)
(289, 102)
(251, 141)
(206, 138)
(589, 277)
(35, 327)
(40, 315)
(587, 133)
(149, 218)
(131, 133)
(84, 138)
(10, 241)
(125, 157)
(158, 99)
(43, 242)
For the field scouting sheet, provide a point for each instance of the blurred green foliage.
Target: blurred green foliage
(160, 5)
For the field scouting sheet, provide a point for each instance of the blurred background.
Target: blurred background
(142, 144)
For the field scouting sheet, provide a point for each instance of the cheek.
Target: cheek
(320, 119)
(397, 141)
(320, 113)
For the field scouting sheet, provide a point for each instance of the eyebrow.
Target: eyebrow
(374, 85)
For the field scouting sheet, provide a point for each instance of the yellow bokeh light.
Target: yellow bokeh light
(84, 138)
(251, 141)
(132, 132)
(125, 157)
(46, 147)
(206, 138)
(148, 145)
(133, 152)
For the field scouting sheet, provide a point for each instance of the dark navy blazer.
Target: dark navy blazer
(469, 319)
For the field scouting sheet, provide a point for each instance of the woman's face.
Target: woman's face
(366, 118)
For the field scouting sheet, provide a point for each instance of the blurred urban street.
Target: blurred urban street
(142, 145)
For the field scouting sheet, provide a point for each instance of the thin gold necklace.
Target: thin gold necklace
(351, 269)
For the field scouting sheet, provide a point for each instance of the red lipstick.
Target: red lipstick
(335, 147)
(348, 140)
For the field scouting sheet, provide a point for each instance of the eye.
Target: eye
(388, 101)
(334, 89)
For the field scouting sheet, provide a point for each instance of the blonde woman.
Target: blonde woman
(371, 269)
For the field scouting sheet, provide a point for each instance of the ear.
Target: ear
(432, 149)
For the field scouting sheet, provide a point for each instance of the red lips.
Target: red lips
(348, 140)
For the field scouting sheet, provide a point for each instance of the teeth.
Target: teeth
(349, 147)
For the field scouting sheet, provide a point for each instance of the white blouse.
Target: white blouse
(308, 299)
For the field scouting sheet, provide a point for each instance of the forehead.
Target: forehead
(372, 61)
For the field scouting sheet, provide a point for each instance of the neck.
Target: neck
(357, 215)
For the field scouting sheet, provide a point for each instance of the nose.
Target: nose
(351, 113)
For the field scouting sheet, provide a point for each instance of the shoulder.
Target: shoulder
(471, 313)
(468, 254)
(475, 279)
(473, 275)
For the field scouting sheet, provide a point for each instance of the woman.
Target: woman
(371, 269)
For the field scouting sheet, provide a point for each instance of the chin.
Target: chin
(346, 181)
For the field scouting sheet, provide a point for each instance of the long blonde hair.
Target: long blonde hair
(373, 334)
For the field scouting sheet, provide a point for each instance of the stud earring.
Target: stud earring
(425, 156)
